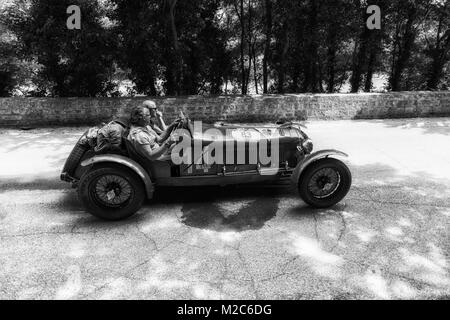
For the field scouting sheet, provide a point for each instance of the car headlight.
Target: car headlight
(307, 146)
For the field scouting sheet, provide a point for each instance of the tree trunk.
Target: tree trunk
(370, 71)
(247, 70)
(241, 16)
(255, 73)
(331, 60)
(249, 43)
(333, 32)
(311, 81)
(175, 70)
(439, 53)
(439, 59)
(268, 33)
(282, 62)
(294, 88)
(360, 52)
(226, 85)
(404, 52)
(359, 60)
(170, 79)
(152, 89)
(375, 49)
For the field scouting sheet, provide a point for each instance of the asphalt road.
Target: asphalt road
(389, 239)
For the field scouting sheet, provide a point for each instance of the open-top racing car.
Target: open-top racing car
(112, 185)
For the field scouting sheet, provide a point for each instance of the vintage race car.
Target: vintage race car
(114, 185)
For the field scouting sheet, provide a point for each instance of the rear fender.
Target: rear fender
(306, 161)
(127, 162)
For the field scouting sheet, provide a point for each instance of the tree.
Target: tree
(16, 72)
(408, 19)
(171, 47)
(378, 39)
(138, 26)
(178, 43)
(438, 48)
(361, 47)
(74, 62)
(7, 67)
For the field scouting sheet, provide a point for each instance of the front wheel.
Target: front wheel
(111, 193)
(324, 183)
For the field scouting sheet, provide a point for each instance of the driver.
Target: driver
(144, 139)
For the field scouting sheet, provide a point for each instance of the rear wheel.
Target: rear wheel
(111, 193)
(324, 183)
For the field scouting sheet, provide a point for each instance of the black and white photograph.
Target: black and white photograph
(243, 151)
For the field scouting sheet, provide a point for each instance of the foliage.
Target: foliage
(170, 47)
(74, 62)
(189, 57)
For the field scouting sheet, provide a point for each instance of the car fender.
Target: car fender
(127, 162)
(306, 161)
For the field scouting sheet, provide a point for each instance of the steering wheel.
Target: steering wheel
(184, 123)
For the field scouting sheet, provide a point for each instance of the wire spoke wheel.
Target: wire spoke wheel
(112, 190)
(324, 182)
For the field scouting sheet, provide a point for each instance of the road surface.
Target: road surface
(389, 238)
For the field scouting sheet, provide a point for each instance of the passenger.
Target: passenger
(157, 122)
(144, 139)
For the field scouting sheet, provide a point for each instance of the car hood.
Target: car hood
(248, 133)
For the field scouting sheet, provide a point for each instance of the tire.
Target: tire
(111, 193)
(324, 183)
(74, 158)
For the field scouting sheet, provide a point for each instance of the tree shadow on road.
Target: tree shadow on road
(426, 125)
(387, 239)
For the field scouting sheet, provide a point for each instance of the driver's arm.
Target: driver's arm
(166, 133)
(161, 122)
(156, 128)
(154, 154)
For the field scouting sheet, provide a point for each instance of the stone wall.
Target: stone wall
(262, 108)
